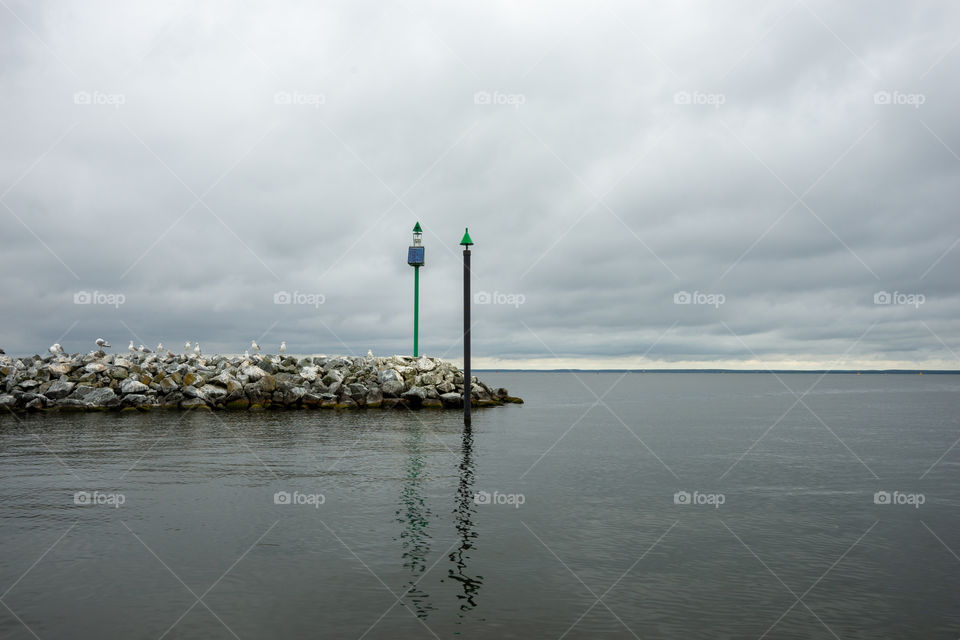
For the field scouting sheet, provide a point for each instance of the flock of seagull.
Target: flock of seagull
(57, 350)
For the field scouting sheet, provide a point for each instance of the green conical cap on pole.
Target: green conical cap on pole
(466, 238)
(417, 229)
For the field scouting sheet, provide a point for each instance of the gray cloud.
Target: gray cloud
(795, 159)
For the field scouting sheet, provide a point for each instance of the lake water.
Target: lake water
(640, 505)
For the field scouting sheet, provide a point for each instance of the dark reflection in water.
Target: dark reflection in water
(463, 513)
(415, 515)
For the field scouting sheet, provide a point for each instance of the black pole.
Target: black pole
(467, 398)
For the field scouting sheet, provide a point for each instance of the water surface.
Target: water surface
(582, 536)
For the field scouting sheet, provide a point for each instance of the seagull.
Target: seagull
(102, 343)
(160, 348)
(131, 348)
(254, 345)
(369, 353)
(186, 346)
(283, 346)
(246, 355)
(196, 348)
(55, 348)
(143, 349)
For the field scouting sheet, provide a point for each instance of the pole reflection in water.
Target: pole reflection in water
(465, 508)
(415, 515)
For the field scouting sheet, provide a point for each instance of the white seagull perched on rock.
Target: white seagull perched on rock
(101, 343)
(254, 345)
(143, 349)
(196, 348)
(186, 346)
(55, 349)
(131, 348)
(283, 346)
(160, 348)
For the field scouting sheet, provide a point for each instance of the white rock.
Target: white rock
(426, 364)
(132, 385)
(254, 373)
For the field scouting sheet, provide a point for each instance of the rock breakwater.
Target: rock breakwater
(98, 381)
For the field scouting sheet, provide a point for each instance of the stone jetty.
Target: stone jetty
(143, 381)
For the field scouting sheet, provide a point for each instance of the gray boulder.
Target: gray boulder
(212, 392)
(59, 389)
(102, 397)
(135, 400)
(167, 384)
(415, 395)
(332, 376)
(374, 398)
(357, 390)
(386, 375)
(451, 400)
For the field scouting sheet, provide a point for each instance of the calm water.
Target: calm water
(582, 535)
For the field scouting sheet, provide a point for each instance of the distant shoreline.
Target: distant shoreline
(778, 371)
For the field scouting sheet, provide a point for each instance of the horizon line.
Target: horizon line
(706, 370)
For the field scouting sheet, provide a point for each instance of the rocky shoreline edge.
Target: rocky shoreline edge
(100, 382)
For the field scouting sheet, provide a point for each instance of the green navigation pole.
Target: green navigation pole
(416, 311)
(415, 260)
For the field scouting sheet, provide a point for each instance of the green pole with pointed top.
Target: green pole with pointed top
(415, 260)
(467, 396)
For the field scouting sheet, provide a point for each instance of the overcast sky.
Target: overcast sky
(179, 167)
